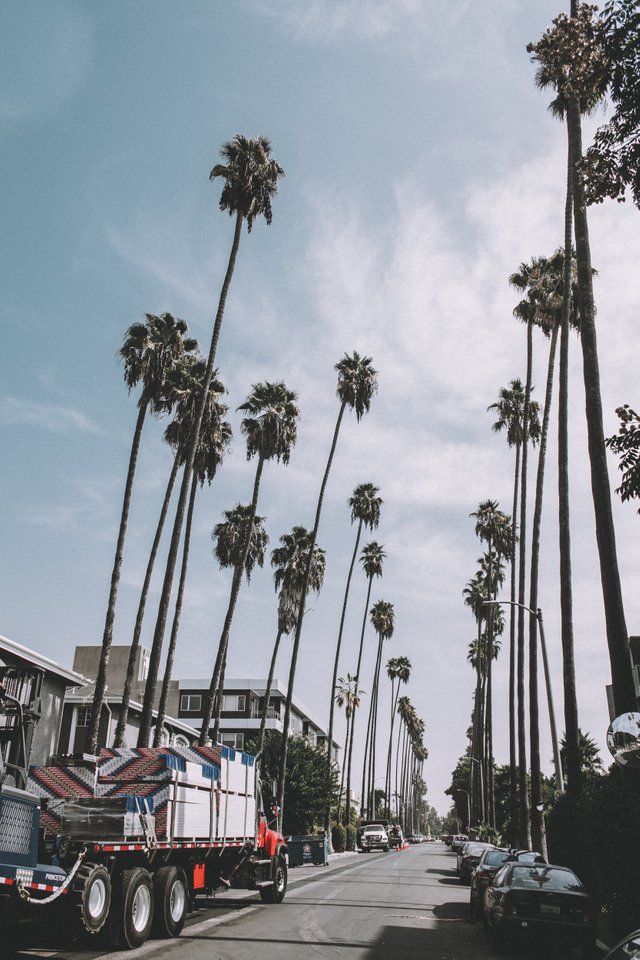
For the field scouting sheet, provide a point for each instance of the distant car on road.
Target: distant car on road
(374, 837)
(539, 901)
(458, 841)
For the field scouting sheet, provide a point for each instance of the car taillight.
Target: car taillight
(505, 904)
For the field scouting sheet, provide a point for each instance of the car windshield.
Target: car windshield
(543, 878)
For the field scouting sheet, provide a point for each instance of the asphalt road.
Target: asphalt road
(405, 905)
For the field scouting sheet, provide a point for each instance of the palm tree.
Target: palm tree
(382, 620)
(365, 507)
(494, 528)
(357, 382)
(183, 382)
(213, 443)
(347, 696)
(510, 418)
(570, 60)
(398, 668)
(149, 352)
(372, 558)
(250, 177)
(271, 429)
(475, 595)
(289, 562)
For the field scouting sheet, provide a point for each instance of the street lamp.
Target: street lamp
(460, 790)
(552, 718)
(475, 760)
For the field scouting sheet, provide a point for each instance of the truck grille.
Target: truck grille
(16, 825)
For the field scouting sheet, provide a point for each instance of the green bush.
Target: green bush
(597, 834)
(351, 837)
(338, 838)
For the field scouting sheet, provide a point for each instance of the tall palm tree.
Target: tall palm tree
(372, 558)
(493, 527)
(365, 507)
(215, 438)
(398, 669)
(510, 418)
(149, 352)
(184, 383)
(475, 595)
(570, 60)
(357, 382)
(250, 178)
(347, 696)
(289, 562)
(230, 536)
(382, 621)
(270, 428)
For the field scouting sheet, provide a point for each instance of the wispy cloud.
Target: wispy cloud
(15, 411)
(327, 19)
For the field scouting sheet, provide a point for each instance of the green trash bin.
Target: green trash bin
(312, 848)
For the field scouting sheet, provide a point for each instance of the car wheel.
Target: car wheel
(275, 892)
(137, 906)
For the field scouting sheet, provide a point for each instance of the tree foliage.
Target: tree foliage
(309, 786)
(627, 444)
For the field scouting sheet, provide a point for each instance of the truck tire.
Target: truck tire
(275, 892)
(90, 898)
(171, 895)
(137, 906)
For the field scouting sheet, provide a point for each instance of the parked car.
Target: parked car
(536, 901)
(626, 949)
(468, 858)
(374, 837)
(488, 865)
(458, 842)
(526, 856)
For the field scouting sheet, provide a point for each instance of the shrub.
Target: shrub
(351, 837)
(338, 837)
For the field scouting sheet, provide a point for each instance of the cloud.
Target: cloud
(328, 19)
(56, 419)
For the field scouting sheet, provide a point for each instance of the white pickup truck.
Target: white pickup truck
(374, 836)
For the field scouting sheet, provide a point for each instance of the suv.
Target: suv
(374, 837)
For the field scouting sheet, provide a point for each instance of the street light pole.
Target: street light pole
(460, 790)
(547, 681)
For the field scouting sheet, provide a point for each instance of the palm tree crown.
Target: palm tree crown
(289, 561)
(365, 505)
(150, 351)
(271, 424)
(250, 177)
(510, 413)
(372, 558)
(382, 619)
(357, 382)
(230, 538)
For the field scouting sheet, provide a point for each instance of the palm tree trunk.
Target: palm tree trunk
(357, 683)
(538, 832)
(397, 794)
(301, 613)
(107, 636)
(335, 667)
(491, 593)
(387, 779)
(566, 593)
(267, 693)
(219, 700)
(121, 726)
(513, 763)
(523, 799)
(371, 778)
(350, 732)
(175, 627)
(163, 609)
(617, 637)
(346, 799)
(221, 657)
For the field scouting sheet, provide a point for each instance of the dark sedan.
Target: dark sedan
(488, 865)
(468, 858)
(534, 901)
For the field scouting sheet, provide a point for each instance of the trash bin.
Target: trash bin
(312, 848)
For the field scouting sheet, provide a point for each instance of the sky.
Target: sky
(422, 167)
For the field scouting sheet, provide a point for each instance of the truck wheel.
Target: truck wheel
(171, 895)
(137, 906)
(276, 891)
(91, 897)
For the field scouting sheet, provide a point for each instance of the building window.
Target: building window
(191, 702)
(235, 740)
(234, 703)
(84, 717)
(143, 666)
